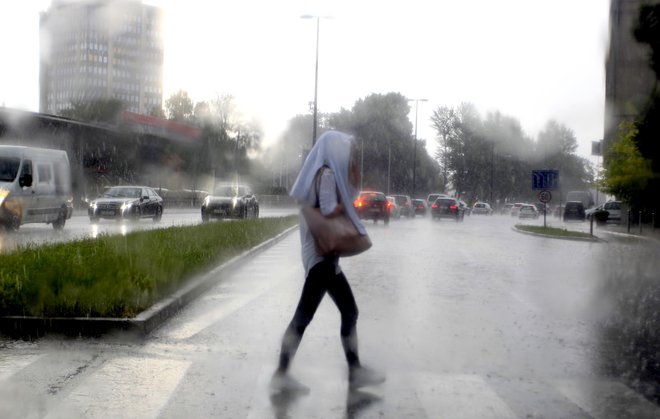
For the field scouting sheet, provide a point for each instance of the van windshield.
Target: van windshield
(9, 168)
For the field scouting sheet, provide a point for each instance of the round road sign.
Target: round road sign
(545, 196)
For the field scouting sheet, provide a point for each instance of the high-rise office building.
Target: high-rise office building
(101, 49)
(629, 78)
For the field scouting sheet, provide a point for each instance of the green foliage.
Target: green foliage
(119, 276)
(552, 231)
(493, 158)
(179, 107)
(626, 172)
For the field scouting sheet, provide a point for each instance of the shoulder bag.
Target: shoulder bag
(334, 235)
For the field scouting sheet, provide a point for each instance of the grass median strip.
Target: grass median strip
(119, 276)
(552, 231)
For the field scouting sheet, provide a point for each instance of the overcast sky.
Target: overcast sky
(534, 60)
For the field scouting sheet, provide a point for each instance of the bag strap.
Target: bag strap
(317, 187)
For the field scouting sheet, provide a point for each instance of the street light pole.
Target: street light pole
(415, 145)
(316, 81)
(316, 73)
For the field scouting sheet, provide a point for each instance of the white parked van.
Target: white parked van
(35, 186)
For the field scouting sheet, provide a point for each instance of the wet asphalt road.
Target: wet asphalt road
(468, 320)
(79, 227)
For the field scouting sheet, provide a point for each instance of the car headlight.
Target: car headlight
(92, 205)
(234, 201)
(3, 194)
(206, 201)
(126, 206)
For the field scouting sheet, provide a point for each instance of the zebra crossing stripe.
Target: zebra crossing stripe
(460, 396)
(10, 365)
(602, 398)
(125, 387)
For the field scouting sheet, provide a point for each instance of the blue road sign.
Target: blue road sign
(545, 179)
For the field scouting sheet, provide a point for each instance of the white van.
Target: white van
(35, 186)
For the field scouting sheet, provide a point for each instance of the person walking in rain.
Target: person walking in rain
(334, 157)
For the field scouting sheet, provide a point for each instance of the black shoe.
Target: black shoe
(363, 376)
(284, 383)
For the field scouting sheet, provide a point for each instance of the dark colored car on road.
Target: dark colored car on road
(230, 201)
(126, 202)
(371, 205)
(420, 207)
(574, 210)
(447, 208)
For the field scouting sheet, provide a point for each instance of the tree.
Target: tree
(464, 153)
(179, 107)
(285, 157)
(626, 172)
(556, 147)
(511, 152)
(382, 132)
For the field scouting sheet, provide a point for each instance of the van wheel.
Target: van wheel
(59, 223)
(158, 215)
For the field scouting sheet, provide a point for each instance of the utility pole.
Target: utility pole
(415, 145)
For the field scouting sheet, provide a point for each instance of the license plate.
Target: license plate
(107, 213)
(218, 211)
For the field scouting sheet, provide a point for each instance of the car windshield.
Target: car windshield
(9, 168)
(123, 193)
(226, 190)
(373, 197)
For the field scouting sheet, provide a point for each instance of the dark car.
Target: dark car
(126, 202)
(372, 206)
(405, 205)
(420, 207)
(574, 210)
(447, 208)
(230, 201)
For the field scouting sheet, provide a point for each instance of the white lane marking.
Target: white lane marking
(460, 396)
(230, 304)
(599, 397)
(126, 387)
(11, 364)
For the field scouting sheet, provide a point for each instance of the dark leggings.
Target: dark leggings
(322, 279)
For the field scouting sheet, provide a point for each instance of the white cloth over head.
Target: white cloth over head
(332, 149)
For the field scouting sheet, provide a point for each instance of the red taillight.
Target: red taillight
(434, 206)
(389, 205)
(453, 207)
(357, 203)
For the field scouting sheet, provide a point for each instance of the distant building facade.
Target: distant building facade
(101, 49)
(629, 78)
